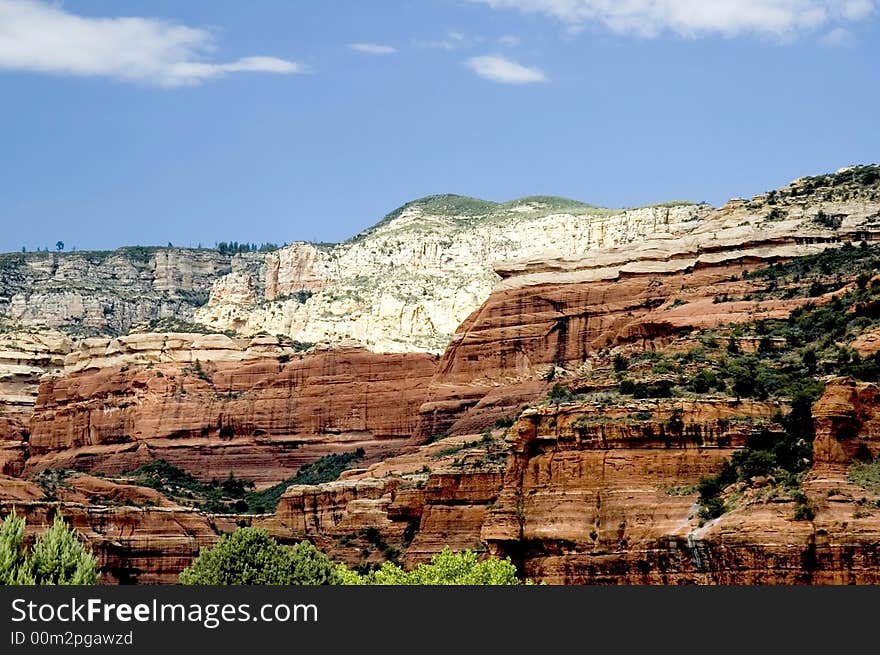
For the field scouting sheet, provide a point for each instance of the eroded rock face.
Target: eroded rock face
(589, 502)
(847, 424)
(95, 293)
(596, 491)
(554, 312)
(407, 283)
(407, 507)
(136, 534)
(133, 545)
(25, 357)
(599, 485)
(245, 412)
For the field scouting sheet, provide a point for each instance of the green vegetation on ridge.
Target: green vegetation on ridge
(786, 361)
(465, 210)
(235, 495)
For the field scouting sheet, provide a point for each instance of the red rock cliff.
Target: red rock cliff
(261, 419)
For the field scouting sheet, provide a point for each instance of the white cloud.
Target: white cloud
(509, 41)
(776, 18)
(372, 48)
(505, 71)
(857, 9)
(838, 37)
(452, 41)
(44, 38)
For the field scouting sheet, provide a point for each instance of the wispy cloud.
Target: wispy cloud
(452, 40)
(39, 37)
(504, 71)
(509, 41)
(372, 48)
(838, 37)
(776, 18)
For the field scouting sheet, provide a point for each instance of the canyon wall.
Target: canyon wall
(214, 406)
(408, 282)
(517, 441)
(98, 293)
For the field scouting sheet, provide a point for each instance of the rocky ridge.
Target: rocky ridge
(109, 293)
(408, 282)
(570, 423)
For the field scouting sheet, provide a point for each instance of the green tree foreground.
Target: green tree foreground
(58, 557)
(445, 568)
(250, 556)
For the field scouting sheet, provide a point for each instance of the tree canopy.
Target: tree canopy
(249, 556)
(445, 568)
(58, 556)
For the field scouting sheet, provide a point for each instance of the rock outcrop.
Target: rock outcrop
(520, 440)
(109, 293)
(25, 357)
(408, 282)
(137, 535)
(211, 406)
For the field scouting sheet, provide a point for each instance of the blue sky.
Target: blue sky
(211, 120)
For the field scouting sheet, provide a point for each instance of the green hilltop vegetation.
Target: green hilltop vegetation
(465, 211)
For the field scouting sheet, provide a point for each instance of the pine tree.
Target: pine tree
(13, 557)
(60, 558)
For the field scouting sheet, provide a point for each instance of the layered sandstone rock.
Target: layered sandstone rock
(133, 545)
(211, 408)
(598, 490)
(847, 424)
(594, 484)
(136, 534)
(25, 357)
(554, 313)
(94, 293)
(608, 506)
(405, 508)
(408, 282)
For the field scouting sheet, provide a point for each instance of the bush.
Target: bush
(782, 455)
(658, 389)
(704, 381)
(200, 372)
(325, 469)
(865, 475)
(445, 568)
(830, 221)
(804, 511)
(233, 494)
(58, 557)
(559, 394)
(249, 556)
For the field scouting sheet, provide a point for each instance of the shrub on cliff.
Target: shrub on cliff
(559, 394)
(58, 557)
(249, 556)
